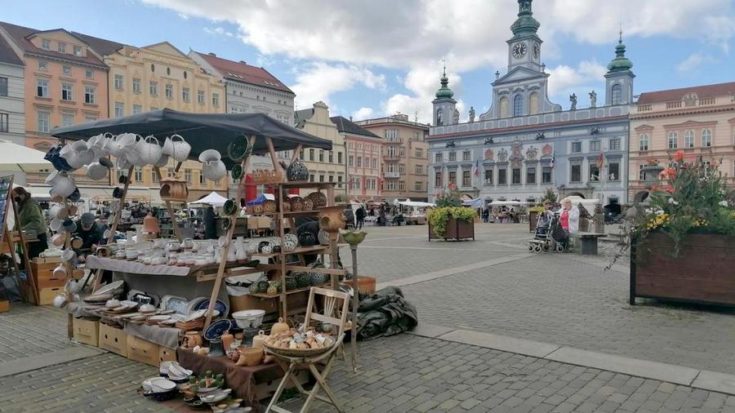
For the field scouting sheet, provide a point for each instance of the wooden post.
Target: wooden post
(27, 262)
(296, 153)
(177, 231)
(355, 305)
(276, 166)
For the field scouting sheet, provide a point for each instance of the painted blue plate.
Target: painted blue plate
(216, 329)
(219, 306)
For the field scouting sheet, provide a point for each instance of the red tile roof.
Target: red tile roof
(243, 72)
(22, 35)
(672, 95)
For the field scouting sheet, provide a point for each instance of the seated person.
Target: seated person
(90, 232)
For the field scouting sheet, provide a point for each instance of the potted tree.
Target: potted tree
(682, 245)
(450, 220)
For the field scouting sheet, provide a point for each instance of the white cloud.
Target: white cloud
(422, 82)
(565, 80)
(693, 62)
(320, 80)
(219, 31)
(363, 113)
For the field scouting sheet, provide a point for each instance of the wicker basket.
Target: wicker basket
(290, 352)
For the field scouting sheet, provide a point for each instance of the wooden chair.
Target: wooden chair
(330, 308)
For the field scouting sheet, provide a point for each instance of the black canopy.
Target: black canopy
(201, 131)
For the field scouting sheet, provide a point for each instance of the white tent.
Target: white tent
(416, 204)
(474, 203)
(213, 199)
(19, 158)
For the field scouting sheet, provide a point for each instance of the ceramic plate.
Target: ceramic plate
(219, 306)
(193, 304)
(199, 314)
(159, 317)
(97, 298)
(177, 304)
(216, 329)
(109, 287)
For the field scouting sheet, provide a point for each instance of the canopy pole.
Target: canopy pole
(296, 153)
(177, 231)
(113, 229)
(223, 257)
(276, 166)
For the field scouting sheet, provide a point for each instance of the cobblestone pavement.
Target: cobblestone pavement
(407, 373)
(564, 299)
(39, 329)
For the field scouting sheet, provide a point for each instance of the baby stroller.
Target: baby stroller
(549, 235)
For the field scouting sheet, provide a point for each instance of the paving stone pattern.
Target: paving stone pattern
(408, 373)
(28, 331)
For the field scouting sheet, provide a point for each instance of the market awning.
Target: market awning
(19, 158)
(201, 131)
(213, 199)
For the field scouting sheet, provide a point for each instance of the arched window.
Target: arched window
(533, 104)
(439, 117)
(673, 140)
(518, 105)
(689, 139)
(153, 67)
(617, 95)
(504, 107)
(643, 142)
(706, 138)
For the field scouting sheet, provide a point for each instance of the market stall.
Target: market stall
(166, 279)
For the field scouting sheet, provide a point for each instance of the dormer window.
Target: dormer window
(45, 44)
(77, 51)
(42, 65)
(62, 47)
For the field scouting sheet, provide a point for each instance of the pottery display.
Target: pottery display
(318, 199)
(214, 170)
(297, 203)
(149, 151)
(174, 190)
(96, 171)
(210, 155)
(237, 172)
(307, 204)
(230, 207)
(177, 148)
(238, 149)
(307, 239)
(269, 206)
(250, 356)
(192, 339)
(259, 340)
(297, 171)
(332, 219)
(279, 327)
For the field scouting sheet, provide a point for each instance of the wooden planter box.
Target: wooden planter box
(704, 271)
(456, 230)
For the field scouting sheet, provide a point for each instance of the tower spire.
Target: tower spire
(525, 24)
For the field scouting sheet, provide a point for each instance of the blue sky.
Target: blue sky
(372, 58)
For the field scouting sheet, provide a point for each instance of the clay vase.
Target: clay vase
(279, 327)
(173, 190)
(331, 219)
(192, 339)
(259, 340)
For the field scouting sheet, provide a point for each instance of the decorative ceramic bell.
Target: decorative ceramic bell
(297, 171)
(150, 224)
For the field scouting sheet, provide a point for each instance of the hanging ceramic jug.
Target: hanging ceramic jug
(177, 148)
(149, 150)
(210, 155)
(297, 171)
(63, 186)
(214, 170)
(96, 171)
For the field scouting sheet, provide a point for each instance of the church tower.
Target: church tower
(619, 78)
(445, 111)
(524, 48)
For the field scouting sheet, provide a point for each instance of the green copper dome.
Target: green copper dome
(444, 91)
(620, 63)
(525, 24)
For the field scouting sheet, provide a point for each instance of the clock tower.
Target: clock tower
(524, 48)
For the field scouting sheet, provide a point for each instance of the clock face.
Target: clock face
(536, 50)
(519, 50)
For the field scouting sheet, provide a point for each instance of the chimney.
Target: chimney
(350, 118)
(243, 62)
(212, 54)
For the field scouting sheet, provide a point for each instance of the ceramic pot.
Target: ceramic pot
(307, 239)
(96, 171)
(331, 219)
(149, 150)
(176, 147)
(60, 271)
(259, 340)
(162, 161)
(58, 239)
(214, 170)
(297, 171)
(173, 190)
(63, 185)
(192, 339)
(122, 143)
(279, 327)
(230, 207)
(77, 243)
(250, 356)
(236, 172)
(59, 212)
(209, 155)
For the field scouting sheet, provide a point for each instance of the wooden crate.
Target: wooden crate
(113, 339)
(86, 331)
(46, 295)
(248, 302)
(142, 351)
(166, 354)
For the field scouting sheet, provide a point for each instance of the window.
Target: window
(673, 144)
(643, 142)
(321, 178)
(90, 118)
(118, 82)
(66, 69)
(169, 91)
(350, 160)
(46, 44)
(518, 105)
(138, 177)
(119, 109)
(200, 97)
(67, 119)
(419, 169)
(488, 176)
(356, 182)
(359, 161)
(187, 175)
(339, 157)
(331, 157)
(136, 86)
(419, 153)
(391, 134)
(530, 175)
(438, 157)
(614, 144)
(4, 122)
(185, 95)
(62, 47)
(594, 146)
(3, 86)
(321, 156)
(466, 156)
(689, 139)
(66, 91)
(185, 75)
(301, 154)
(201, 178)
(418, 186)
(339, 181)
(153, 88)
(44, 121)
(375, 163)
(706, 135)
(402, 169)
(546, 175)
(215, 99)
(576, 173)
(311, 178)
(168, 71)
(576, 147)
(617, 95)
(77, 50)
(331, 178)
(42, 88)
(89, 74)
(137, 109)
(453, 177)
(311, 154)
(613, 170)
(89, 95)
(594, 173)
(516, 176)
(502, 177)
(437, 179)
(452, 156)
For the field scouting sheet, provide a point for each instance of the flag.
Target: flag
(477, 167)
(600, 161)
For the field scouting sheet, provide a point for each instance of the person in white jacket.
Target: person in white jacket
(569, 217)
